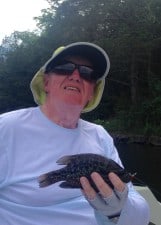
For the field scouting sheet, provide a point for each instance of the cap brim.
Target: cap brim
(96, 55)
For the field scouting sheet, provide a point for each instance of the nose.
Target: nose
(75, 76)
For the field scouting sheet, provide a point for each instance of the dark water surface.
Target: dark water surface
(146, 161)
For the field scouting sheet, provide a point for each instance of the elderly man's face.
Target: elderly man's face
(71, 89)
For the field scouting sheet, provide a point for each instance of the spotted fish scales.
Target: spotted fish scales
(80, 165)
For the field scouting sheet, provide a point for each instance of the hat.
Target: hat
(96, 55)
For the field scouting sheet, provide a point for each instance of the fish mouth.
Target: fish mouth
(71, 88)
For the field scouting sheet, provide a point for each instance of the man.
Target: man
(32, 140)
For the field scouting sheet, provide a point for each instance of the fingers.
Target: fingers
(103, 187)
(118, 184)
(108, 201)
(88, 191)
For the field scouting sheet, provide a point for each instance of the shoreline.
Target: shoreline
(139, 139)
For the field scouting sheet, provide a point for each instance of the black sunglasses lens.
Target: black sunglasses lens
(86, 72)
(68, 68)
(64, 69)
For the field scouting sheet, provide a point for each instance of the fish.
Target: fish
(79, 165)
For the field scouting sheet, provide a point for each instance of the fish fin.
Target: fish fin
(65, 159)
(47, 179)
(68, 185)
(44, 181)
(65, 185)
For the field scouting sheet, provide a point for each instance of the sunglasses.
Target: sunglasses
(67, 68)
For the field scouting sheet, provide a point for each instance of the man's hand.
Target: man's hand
(108, 201)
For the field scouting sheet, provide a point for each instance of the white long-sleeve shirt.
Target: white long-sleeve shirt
(30, 145)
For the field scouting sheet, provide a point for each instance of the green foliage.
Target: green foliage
(129, 30)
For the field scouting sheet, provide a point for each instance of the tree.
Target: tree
(129, 30)
(17, 69)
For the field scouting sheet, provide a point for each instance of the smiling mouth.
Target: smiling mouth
(70, 88)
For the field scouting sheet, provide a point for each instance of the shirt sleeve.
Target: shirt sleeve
(3, 155)
(136, 209)
(3, 165)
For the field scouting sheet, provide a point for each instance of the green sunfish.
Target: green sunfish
(80, 165)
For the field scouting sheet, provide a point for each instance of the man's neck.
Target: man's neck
(64, 115)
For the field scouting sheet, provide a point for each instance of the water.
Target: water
(146, 161)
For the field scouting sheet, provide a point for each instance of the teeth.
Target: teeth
(72, 88)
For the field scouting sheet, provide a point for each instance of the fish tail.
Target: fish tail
(48, 179)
